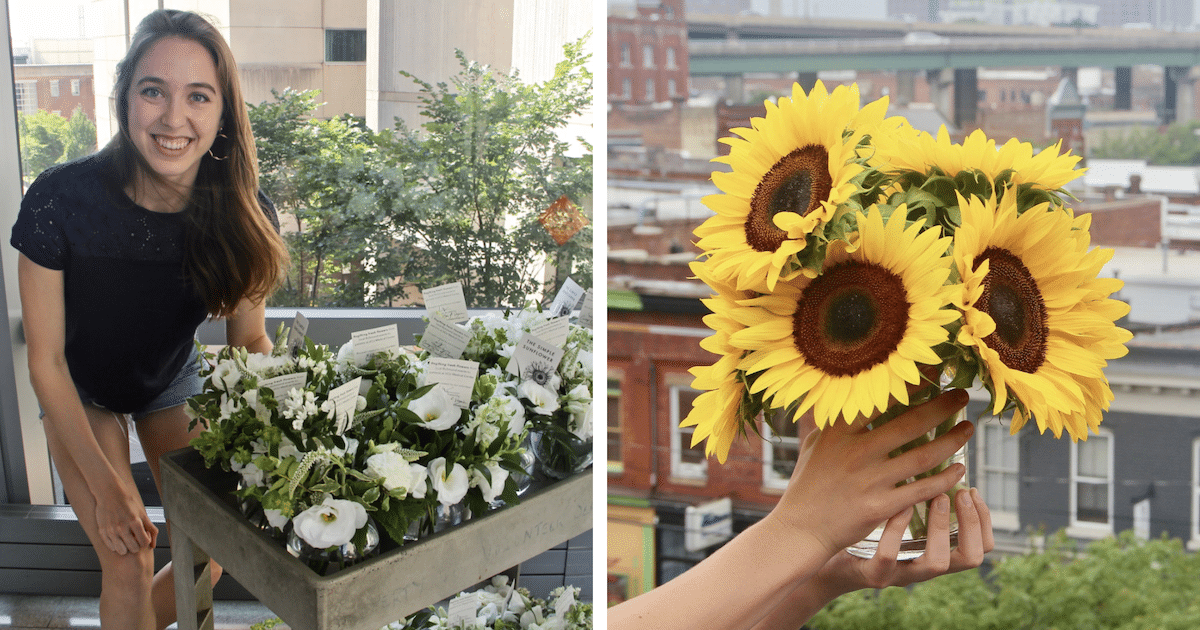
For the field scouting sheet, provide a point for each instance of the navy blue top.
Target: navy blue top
(131, 311)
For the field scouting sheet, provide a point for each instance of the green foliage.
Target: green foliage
(48, 139)
(370, 215)
(1116, 584)
(1177, 145)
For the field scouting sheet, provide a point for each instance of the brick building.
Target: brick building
(647, 53)
(58, 88)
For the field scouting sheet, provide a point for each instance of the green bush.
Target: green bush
(1117, 583)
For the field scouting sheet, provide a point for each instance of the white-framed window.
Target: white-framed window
(54, 88)
(626, 56)
(74, 87)
(627, 89)
(647, 56)
(616, 463)
(672, 88)
(27, 100)
(1092, 487)
(671, 59)
(1194, 543)
(781, 447)
(999, 473)
(650, 90)
(687, 462)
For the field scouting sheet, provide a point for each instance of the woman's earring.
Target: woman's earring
(210, 152)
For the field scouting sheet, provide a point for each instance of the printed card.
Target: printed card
(553, 331)
(281, 385)
(445, 339)
(344, 398)
(534, 359)
(463, 610)
(296, 335)
(369, 342)
(456, 377)
(568, 296)
(585, 311)
(447, 301)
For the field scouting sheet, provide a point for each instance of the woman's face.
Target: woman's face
(175, 108)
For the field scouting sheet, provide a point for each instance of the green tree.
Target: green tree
(1176, 145)
(1117, 583)
(48, 139)
(487, 162)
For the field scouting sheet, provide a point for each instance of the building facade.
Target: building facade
(57, 88)
(647, 53)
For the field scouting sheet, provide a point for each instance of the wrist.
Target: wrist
(786, 534)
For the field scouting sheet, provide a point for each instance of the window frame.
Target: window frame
(54, 91)
(1001, 519)
(1087, 529)
(23, 89)
(771, 480)
(681, 470)
(615, 466)
(75, 87)
(648, 56)
(650, 90)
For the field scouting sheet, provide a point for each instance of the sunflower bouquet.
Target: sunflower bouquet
(858, 266)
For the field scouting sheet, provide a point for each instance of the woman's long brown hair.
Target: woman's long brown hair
(232, 251)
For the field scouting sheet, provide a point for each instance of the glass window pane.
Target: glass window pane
(1093, 457)
(1092, 502)
(783, 459)
(1011, 490)
(993, 436)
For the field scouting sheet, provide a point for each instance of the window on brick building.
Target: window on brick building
(650, 90)
(1092, 486)
(615, 462)
(53, 88)
(781, 447)
(671, 59)
(687, 461)
(672, 89)
(647, 56)
(74, 87)
(626, 56)
(627, 89)
(27, 101)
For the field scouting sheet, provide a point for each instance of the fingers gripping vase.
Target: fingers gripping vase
(916, 536)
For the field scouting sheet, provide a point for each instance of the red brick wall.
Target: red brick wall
(623, 237)
(661, 28)
(1127, 222)
(659, 127)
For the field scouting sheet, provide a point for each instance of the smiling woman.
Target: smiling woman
(123, 254)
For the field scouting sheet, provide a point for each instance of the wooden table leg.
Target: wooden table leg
(193, 583)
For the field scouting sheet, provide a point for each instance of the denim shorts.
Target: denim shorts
(187, 383)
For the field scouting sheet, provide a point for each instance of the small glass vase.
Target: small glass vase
(528, 463)
(559, 453)
(334, 559)
(447, 516)
(915, 537)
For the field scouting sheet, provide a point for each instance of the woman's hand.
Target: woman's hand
(845, 484)
(844, 573)
(123, 523)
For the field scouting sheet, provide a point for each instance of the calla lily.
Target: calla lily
(543, 401)
(435, 409)
(491, 490)
(450, 482)
(330, 524)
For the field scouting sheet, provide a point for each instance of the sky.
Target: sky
(31, 19)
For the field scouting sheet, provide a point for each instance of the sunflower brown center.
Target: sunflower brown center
(798, 183)
(850, 318)
(1011, 296)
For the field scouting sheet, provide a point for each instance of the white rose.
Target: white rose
(330, 524)
(396, 473)
(451, 483)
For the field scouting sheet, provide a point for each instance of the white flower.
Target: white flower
(435, 409)
(397, 474)
(260, 410)
(543, 401)
(275, 518)
(263, 364)
(252, 475)
(229, 406)
(330, 524)
(491, 490)
(351, 448)
(288, 449)
(451, 484)
(225, 376)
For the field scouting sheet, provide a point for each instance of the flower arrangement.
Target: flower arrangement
(323, 441)
(500, 606)
(857, 263)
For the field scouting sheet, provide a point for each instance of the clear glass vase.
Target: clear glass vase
(915, 537)
(560, 454)
(524, 478)
(333, 559)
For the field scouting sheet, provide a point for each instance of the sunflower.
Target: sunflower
(716, 413)
(1036, 313)
(849, 340)
(791, 170)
